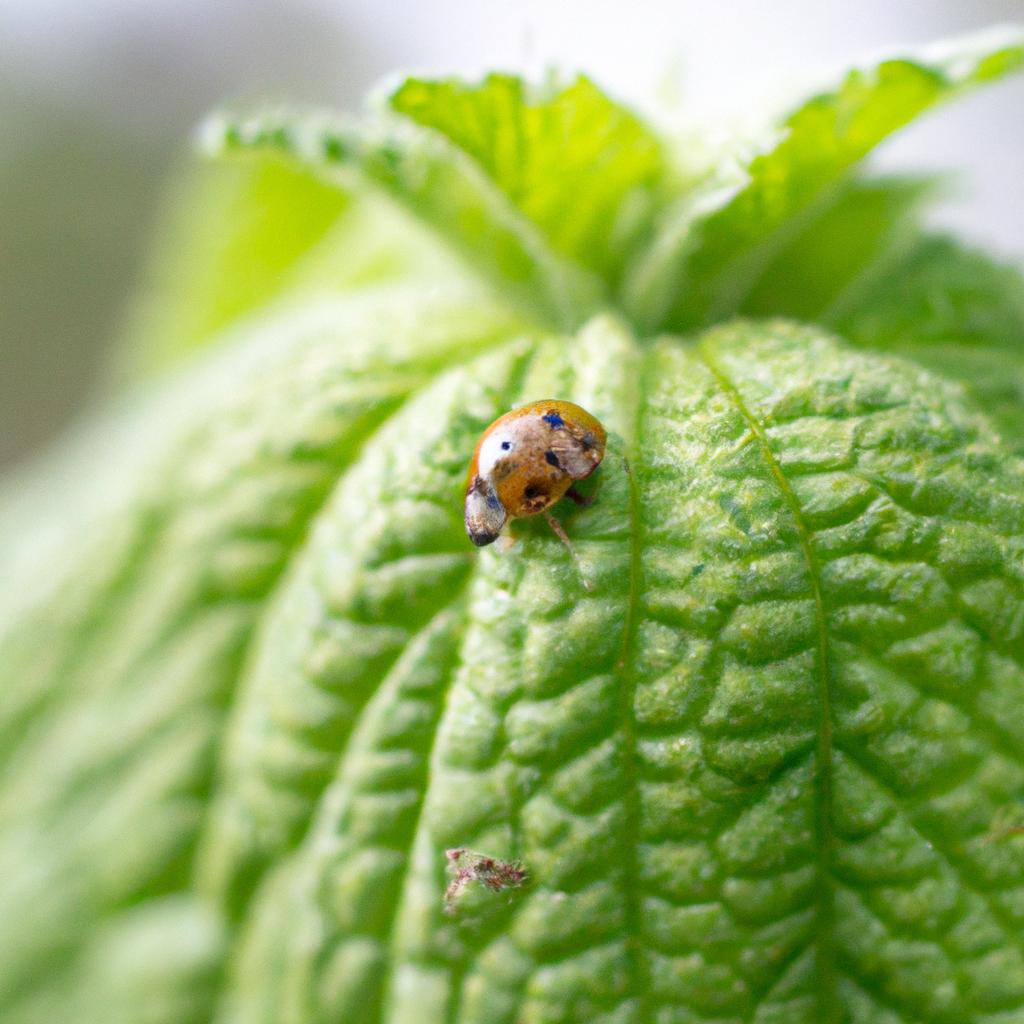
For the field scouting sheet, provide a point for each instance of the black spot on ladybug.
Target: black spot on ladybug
(554, 419)
(588, 440)
(533, 491)
(506, 446)
(552, 459)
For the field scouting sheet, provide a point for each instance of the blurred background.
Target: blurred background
(98, 99)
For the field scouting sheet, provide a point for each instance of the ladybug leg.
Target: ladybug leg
(560, 533)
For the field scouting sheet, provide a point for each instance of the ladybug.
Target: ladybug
(527, 460)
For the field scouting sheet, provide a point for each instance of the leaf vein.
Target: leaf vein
(829, 1008)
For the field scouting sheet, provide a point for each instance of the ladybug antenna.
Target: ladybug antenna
(560, 533)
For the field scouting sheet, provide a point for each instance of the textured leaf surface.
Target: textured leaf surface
(952, 310)
(254, 681)
(766, 750)
(113, 711)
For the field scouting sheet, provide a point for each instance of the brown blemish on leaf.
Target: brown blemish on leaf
(467, 866)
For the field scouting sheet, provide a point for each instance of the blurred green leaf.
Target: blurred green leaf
(867, 221)
(246, 235)
(711, 252)
(233, 233)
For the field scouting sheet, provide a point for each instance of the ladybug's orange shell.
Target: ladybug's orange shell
(568, 411)
(551, 445)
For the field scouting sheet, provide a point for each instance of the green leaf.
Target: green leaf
(712, 250)
(257, 688)
(770, 744)
(868, 221)
(952, 310)
(863, 268)
(119, 664)
(244, 225)
(243, 234)
(571, 203)
(738, 773)
(438, 183)
(581, 168)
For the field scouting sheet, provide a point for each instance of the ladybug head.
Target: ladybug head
(485, 514)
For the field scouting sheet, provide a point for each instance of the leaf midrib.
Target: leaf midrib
(829, 1008)
(627, 699)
